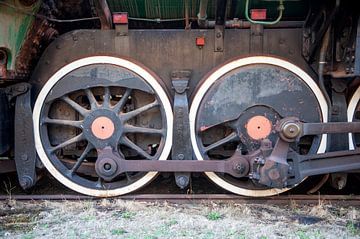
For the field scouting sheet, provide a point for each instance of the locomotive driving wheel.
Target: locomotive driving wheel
(353, 115)
(237, 106)
(97, 103)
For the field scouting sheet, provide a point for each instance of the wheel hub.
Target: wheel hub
(258, 127)
(102, 127)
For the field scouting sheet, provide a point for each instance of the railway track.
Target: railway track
(343, 200)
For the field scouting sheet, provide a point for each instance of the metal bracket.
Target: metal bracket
(256, 38)
(338, 141)
(220, 19)
(122, 42)
(338, 114)
(181, 149)
(25, 152)
(219, 38)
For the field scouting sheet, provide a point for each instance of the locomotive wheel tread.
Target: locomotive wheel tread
(217, 74)
(350, 114)
(150, 79)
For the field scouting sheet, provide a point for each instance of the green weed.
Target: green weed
(117, 232)
(213, 216)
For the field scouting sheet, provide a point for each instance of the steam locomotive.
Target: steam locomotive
(258, 95)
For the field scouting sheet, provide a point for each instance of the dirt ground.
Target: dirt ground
(129, 219)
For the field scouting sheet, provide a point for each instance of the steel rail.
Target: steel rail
(346, 200)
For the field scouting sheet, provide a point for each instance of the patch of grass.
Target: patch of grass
(128, 215)
(171, 223)
(28, 236)
(352, 228)
(236, 234)
(241, 236)
(302, 235)
(22, 222)
(208, 235)
(150, 237)
(309, 235)
(263, 237)
(45, 225)
(88, 218)
(213, 216)
(118, 232)
(84, 235)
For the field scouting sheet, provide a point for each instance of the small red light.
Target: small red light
(258, 14)
(120, 18)
(200, 41)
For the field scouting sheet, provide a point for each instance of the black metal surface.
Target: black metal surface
(229, 166)
(339, 114)
(273, 171)
(7, 166)
(25, 152)
(5, 123)
(220, 12)
(330, 128)
(357, 50)
(277, 169)
(254, 86)
(179, 45)
(181, 148)
(316, 26)
(220, 25)
(256, 38)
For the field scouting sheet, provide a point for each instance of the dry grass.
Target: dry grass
(128, 219)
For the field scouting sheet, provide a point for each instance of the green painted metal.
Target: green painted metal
(172, 9)
(14, 26)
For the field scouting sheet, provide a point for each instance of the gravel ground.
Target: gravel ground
(128, 219)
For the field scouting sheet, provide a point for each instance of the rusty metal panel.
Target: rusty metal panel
(14, 26)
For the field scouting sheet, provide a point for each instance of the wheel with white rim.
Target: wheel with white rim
(353, 115)
(237, 106)
(97, 102)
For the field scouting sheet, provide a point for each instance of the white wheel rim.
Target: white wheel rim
(350, 114)
(101, 60)
(210, 80)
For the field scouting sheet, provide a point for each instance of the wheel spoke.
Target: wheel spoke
(68, 142)
(138, 111)
(75, 105)
(128, 178)
(81, 159)
(135, 129)
(107, 95)
(72, 123)
(228, 138)
(100, 183)
(121, 103)
(126, 141)
(91, 98)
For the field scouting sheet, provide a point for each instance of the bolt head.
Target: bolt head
(291, 130)
(24, 157)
